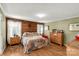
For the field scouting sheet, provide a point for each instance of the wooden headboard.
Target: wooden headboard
(29, 26)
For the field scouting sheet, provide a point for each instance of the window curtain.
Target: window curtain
(14, 28)
(40, 28)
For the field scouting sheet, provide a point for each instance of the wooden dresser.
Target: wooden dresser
(73, 48)
(56, 37)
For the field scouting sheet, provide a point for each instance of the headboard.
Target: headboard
(29, 26)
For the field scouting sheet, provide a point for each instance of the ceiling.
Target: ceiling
(53, 11)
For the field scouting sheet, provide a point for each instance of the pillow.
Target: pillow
(37, 37)
(77, 37)
(45, 36)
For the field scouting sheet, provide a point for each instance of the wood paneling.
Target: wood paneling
(29, 26)
(25, 27)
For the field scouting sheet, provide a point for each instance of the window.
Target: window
(40, 28)
(46, 28)
(14, 28)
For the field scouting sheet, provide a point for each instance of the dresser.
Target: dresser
(57, 37)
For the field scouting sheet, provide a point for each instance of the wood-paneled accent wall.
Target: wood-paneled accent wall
(29, 26)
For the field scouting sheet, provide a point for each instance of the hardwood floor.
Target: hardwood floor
(52, 50)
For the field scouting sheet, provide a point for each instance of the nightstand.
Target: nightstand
(15, 40)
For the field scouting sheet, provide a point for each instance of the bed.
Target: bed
(32, 41)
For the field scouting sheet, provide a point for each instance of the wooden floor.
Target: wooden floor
(52, 50)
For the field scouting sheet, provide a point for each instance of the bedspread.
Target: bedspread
(33, 42)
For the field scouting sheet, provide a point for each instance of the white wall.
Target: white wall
(2, 32)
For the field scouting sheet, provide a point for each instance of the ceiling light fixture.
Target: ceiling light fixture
(41, 15)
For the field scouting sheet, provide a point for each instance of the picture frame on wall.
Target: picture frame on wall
(74, 27)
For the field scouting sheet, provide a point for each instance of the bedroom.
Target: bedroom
(37, 21)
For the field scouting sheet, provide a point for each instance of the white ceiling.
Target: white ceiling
(53, 11)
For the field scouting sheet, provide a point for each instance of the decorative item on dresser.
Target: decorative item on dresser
(56, 36)
(14, 40)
